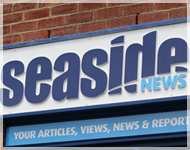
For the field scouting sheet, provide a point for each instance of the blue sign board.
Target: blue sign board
(124, 126)
(165, 60)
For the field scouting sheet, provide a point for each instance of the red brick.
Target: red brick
(178, 13)
(108, 13)
(159, 6)
(7, 8)
(38, 35)
(11, 39)
(93, 26)
(64, 9)
(151, 17)
(6, 30)
(51, 22)
(46, 4)
(120, 22)
(26, 26)
(80, 17)
(63, 31)
(89, 6)
(12, 18)
(34, 14)
(138, 8)
(24, 6)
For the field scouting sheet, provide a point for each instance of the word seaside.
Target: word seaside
(114, 80)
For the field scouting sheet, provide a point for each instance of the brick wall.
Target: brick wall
(31, 21)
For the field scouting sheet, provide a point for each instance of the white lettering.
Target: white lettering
(116, 126)
(21, 135)
(166, 121)
(27, 135)
(174, 121)
(40, 134)
(181, 121)
(16, 134)
(32, 135)
(46, 133)
(161, 122)
(154, 123)
(73, 130)
(129, 125)
(83, 129)
(59, 134)
(137, 125)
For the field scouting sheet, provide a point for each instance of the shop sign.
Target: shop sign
(125, 126)
(117, 67)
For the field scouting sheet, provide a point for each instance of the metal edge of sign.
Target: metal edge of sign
(96, 106)
(94, 33)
